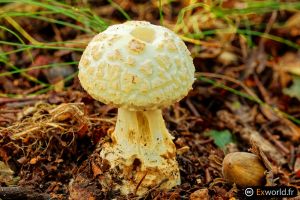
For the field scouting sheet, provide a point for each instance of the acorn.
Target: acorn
(244, 169)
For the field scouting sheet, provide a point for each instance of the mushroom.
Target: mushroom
(139, 68)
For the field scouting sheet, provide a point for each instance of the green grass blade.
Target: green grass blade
(120, 9)
(249, 97)
(38, 67)
(43, 46)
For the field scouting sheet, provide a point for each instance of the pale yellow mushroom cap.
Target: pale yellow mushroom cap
(137, 65)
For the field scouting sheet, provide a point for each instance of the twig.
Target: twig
(5, 100)
(228, 78)
(138, 185)
(268, 29)
(192, 107)
(207, 176)
(154, 188)
(18, 135)
(276, 142)
(17, 193)
(33, 89)
(262, 90)
(199, 42)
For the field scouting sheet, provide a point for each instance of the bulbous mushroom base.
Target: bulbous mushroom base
(141, 154)
(137, 178)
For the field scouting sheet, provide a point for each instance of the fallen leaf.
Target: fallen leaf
(297, 166)
(290, 62)
(182, 150)
(288, 65)
(33, 161)
(59, 86)
(96, 169)
(201, 194)
(221, 138)
(297, 173)
(22, 160)
(294, 89)
(227, 58)
(82, 130)
(293, 20)
(4, 155)
(6, 175)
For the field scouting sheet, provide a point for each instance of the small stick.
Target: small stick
(5, 100)
(154, 188)
(207, 176)
(192, 107)
(137, 187)
(16, 193)
(277, 142)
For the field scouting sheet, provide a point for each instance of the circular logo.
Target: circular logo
(249, 192)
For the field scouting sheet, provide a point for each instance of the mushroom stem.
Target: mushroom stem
(144, 133)
(143, 148)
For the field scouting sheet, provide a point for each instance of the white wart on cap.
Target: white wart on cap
(137, 66)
